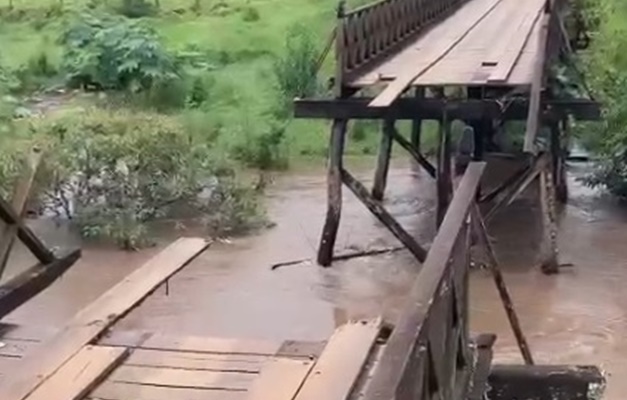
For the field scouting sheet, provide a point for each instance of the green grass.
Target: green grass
(242, 51)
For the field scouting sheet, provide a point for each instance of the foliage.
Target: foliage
(137, 8)
(115, 53)
(296, 70)
(114, 173)
(250, 14)
(605, 64)
(262, 148)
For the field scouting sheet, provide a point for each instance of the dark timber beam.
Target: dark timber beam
(444, 177)
(26, 285)
(381, 213)
(416, 124)
(545, 382)
(383, 161)
(419, 158)
(433, 108)
(24, 233)
(334, 193)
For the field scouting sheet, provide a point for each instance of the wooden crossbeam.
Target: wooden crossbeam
(18, 204)
(433, 109)
(24, 286)
(419, 158)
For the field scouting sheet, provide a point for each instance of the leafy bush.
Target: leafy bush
(262, 148)
(114, 53)
(296, 69)
(137, 8)
(114, 173)
(250, 14)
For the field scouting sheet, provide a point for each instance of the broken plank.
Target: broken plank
(341, 362)
(280, 379)
(80, 374)
(128, 391)
(515, 46)
(98, 316)
(209, 380)
(398, 86)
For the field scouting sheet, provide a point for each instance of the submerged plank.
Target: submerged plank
(200, 344)
(208, 380)
(127, 391)
(280, 379)
(339, 365)
(98, 316)
(196, 361)
(80, 374)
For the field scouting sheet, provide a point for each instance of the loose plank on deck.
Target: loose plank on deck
(280, 379)
(80, 374)
(98, 316)
(341, 362)
(430, 56)
(124, 391)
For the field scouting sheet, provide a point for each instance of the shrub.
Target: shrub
(262, 148)
(114, 53)
(114, 173)
(250, 14)
(296, 69)
(137, 8)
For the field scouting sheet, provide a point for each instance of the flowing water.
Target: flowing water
(577, 316)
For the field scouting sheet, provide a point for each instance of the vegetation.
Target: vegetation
(606, 70)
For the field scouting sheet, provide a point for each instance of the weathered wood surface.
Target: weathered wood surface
(280, 379)
(341, 362)
(451, 54)
(98, 316)
(545, 382)
(27, 284)
(430, 341)
(80, 374)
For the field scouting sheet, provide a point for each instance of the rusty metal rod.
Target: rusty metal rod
(481, 231)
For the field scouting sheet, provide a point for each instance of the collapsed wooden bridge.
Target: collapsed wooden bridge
(389, 55)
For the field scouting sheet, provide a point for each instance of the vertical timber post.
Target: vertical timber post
(416, 124)
(334, 193)
(444, 179)
(383, 162)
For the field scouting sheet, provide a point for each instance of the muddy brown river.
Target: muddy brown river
(578, 316)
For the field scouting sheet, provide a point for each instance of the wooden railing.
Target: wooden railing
(370, 33)
(428, 355)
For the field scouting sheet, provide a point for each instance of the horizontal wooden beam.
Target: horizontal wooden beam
(545, 382)
(26, 285)
(433, 109)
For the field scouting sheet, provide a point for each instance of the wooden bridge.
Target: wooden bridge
(396, 59)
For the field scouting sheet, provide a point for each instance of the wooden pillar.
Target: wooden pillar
(558, 152)
(334, 193)
(383, 162)
(416, 125)
(444, 179)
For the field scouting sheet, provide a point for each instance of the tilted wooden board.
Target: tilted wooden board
(436, 52)
(515, 46)
(80, 374)
(280, 379)
(339, 365)
(98, 316)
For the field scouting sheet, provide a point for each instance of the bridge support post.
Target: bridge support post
(416, 124)
(444, 177)
(383, 161)
(334, 192)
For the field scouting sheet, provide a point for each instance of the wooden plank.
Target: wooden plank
(402, 342)
(280, 379)
(533, 118)
(109, 390)
(398, 86)
(196, 361)
(341, 362)
(98, 316)
(80, 374)
(18, 202)
(27, 284)
(515, 46)
(199, 344)
(209, 380)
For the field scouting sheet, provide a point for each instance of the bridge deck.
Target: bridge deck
(485, 42)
